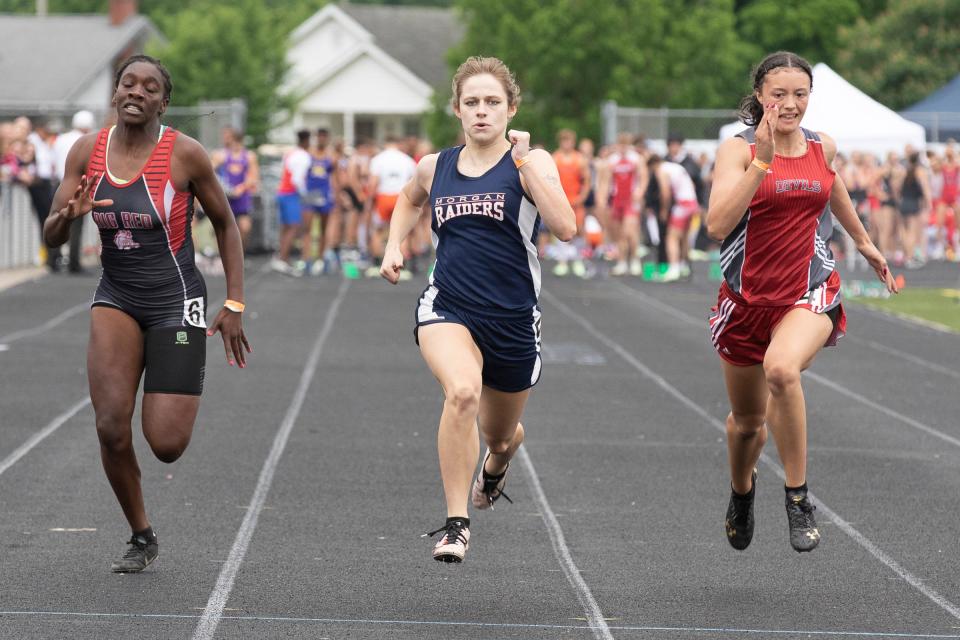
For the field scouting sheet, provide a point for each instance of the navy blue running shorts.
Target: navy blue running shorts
(510, 345)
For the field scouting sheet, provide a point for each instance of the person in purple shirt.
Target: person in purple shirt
(239, 174)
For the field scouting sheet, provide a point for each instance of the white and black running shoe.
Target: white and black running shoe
(453, 544)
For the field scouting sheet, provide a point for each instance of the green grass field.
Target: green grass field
(932, 304)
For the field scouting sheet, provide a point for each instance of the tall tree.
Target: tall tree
(571, 55)
(218, 51)
(905, 53)
(810, 29)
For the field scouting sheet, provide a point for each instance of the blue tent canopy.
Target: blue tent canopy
(946, 98)
(939, 112)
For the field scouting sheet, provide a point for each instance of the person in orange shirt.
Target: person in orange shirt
(574, 171)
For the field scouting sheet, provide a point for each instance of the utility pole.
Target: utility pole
(42, 8)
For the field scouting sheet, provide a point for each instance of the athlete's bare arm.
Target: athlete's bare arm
(74, 195)
(406, 213)
(735, 181)
(846, 214)
(585, 185)
(642, 182)
(604, 179)
(540, 178)
(191, 169)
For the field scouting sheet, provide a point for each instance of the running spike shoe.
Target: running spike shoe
(739, 521)
(453, 544)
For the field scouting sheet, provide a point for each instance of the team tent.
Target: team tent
(855, 120)
(939, 112)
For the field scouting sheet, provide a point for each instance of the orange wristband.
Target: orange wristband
(760, 164)
(522, 161)
(233, 305)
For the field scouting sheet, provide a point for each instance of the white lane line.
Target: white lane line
(41, 435)
(826, 382)
(903, 355)
(844, 526)
(46, 326)
(213, 612)
(905, 320)
(497, 625)
(594, 616)
(916, 424)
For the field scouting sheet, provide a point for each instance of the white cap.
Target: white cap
(83, 120)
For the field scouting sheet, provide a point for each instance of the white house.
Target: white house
(366, 71)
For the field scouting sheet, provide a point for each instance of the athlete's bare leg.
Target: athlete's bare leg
(307, 242)
(630, 237)
(333, 231)
(673, 240)
(288, 234)
(794, 344)
(746, 428)
(244, 223)
(114, 367)
(168, 420)
(455, 361)
(500, 427)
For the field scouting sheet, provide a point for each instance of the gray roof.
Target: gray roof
(51, 59)
(418, 37)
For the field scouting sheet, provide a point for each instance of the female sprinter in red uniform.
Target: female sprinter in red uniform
(478, 322)
(779, 303)
(138, 180)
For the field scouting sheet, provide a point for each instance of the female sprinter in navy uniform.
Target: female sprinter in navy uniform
(478, 323)
(138, 179)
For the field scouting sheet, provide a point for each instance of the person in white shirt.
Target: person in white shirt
(41, 187)
(290, 194)
(683, 196)
(83, 123)
(390, 170)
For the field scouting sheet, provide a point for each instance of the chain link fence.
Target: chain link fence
(658, 124)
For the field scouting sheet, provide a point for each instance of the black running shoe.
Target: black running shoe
(739, 521)
(804, 534)
(139, 556)
(487, 489)
(453, 544)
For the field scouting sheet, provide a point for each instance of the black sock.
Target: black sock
(147, 534)
(465, 521)
(801, 489)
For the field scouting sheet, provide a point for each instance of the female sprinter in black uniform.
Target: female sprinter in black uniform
(138, 180)
(478, 323)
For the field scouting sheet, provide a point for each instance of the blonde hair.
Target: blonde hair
(476, 65)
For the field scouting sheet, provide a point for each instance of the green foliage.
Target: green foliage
(217, 51)
(571, 55)
(810, 28)
(905, 53)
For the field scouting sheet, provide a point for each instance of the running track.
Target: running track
(297, 510)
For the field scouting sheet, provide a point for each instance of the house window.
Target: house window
(411, 127)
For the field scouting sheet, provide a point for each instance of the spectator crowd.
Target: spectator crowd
(633, 205)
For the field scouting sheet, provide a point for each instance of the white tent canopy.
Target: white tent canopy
(855, 120)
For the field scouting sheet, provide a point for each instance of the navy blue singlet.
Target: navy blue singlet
(484, 232)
